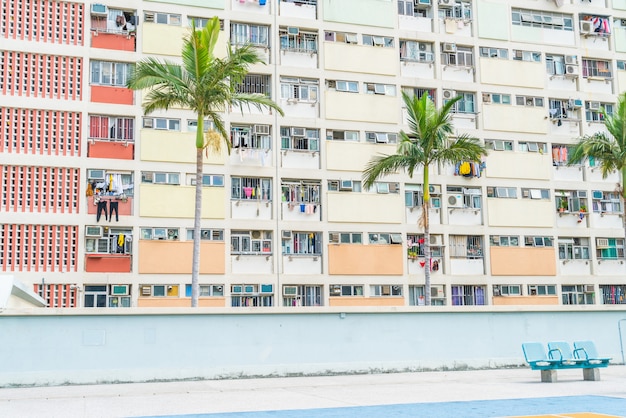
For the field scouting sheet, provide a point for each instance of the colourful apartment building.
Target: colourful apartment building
(97, 198)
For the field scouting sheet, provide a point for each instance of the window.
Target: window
(457, 56)
(555, 64)
(255, 83)
(349, 38)
(542, 19)
(251, 188)
(384, 238)
(243, 295)
(158, 177)
(530, 241)
(299, 295)
(299, 89)
(571, 200)
(577, 294)
(105, 240)
(162, 18)
(382, 41)
(558, 108)
(540, 194)
(162, 123)
(384, 89)
(110, 73)
(345, 238)
(342, 85)
(614, 294)
(470, 197)
(606, 202)
(573, 248)
(243, 33)
(206, 290)
(171, 234)
(502, 192)
(113, 183)
(540, 147)
(417, 295)
(497, 98)
(418, 8)
(385, 290)
(207, 234)
(300, 191)
(466, 246)
(415, 245)
(301, 243)
(457, 10)
(595, 25)
(507, 290)
(504, 240)
(299, 139)
(593, 111)
(346, 290)
(541, 290)
(344, 185)
(621, 65)
(208, 180)
(560, 154)
(416, 51)
(420, 91)
(102, 296)
(336, 135)
(596, 69)
(201, 22)
(113, 20)
(251, 242)
(532, 56)
(609, 248)
(499, 145)
(468, 295)
(296, 40)
(529, 101)
(500, 53)
(192, 125)
(159, 290)
(251, 136)
(381, 137)
(465, 104)
(111, 128)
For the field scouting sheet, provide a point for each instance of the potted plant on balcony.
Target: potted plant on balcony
(563, 205)
(412, 253)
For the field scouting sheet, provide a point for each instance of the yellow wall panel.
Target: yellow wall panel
(360, 154)
(373, 301)
(162, 39)
(363, 107)
(523, 261)
(176, 147)
(520, 213)
(174, 257)
(340, 56)
(351, 259)
(512, 73)
(169, 201)
(525, 300)
(515, 118)
(365, 207)
(518, 165)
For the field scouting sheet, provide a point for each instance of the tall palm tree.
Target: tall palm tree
(207, 85)
(428, 142)
(609, 150)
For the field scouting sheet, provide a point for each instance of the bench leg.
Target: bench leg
(548, 376)
(591, 374)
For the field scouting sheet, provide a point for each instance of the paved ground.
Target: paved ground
(482, 393)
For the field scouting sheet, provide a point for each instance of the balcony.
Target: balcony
(119, 150)
(108, 263)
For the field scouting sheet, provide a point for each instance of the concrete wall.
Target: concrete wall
(127, 345)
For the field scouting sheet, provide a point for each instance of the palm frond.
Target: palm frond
(383, 165)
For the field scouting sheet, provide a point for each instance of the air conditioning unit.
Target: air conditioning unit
(335, 290)
(262, 129)
(256, 234)
(434, 189)
(146, 290)
(575, 103)
(436, 240)
(589, 288)
(455, 201)
(496, 290)
(594, 106)
(602, 243)
(486, 98)
(148, 122)
(422, 46)
(623, 22)
(293, 30)
(290, 290)
(449, 47)
(172, 234)
(148, 17)
(449, 94)
(345, 185)
(571, 70)
(236, 289)
(99, 9)
(206, 234)
(267, 288)
(286, 235)
(95, 174)
(445, 2)
(93, 231)
(334, 237)
(597, 194)
(586, 27)
(436, 291)
(299, 132)
(571, 60)
(120, 289)
(422, 2)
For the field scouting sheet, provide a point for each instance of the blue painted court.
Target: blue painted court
(555, 407)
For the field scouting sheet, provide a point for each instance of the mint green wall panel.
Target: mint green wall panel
(620, 39)
(619, 4)
(493, 20)
(207, 4)
(381, 13)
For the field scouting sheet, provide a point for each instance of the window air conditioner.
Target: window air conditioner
(602, 243)
(120, 289)
(575, 103)
(623, 22)
(449, 94)
(345, 185)
(586, 27)
(95, 174)
(335, 290)
(262, 129)
(589, 288)
(172, 234)
(594, 106)
(299, 132)
(146, 290)
(455, 201)
(496, 290)
(424, 2)
(286, 234)
(449, 47)
(206, 234)
(445, 2)
(290, 290)
(334, 237)
(148, 17)
(148, 122)
(93, 231)
(437, 291)
(597, 194)
(571, 70)
(571, 60)
(434, 189)
(435, 240)
(256, 234)
(99, 9)
(293, 30)
(267, 288)
(236, 289)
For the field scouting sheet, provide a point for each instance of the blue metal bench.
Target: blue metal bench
(561, 357)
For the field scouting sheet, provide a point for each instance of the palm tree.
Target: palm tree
(207, 85)
(428, 142)
(609, 149)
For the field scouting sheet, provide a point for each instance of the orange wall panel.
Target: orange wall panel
(523, 261)
(109, 149)
(108, 263)
(110, 94)
(354, 259)
(174, 257)
(117, 41)
(362, 301)
(218, 302)
(125, 208)
(525, 300)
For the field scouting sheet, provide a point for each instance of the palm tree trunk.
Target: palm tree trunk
(426, 238)
(195, 263)
(623, 196)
